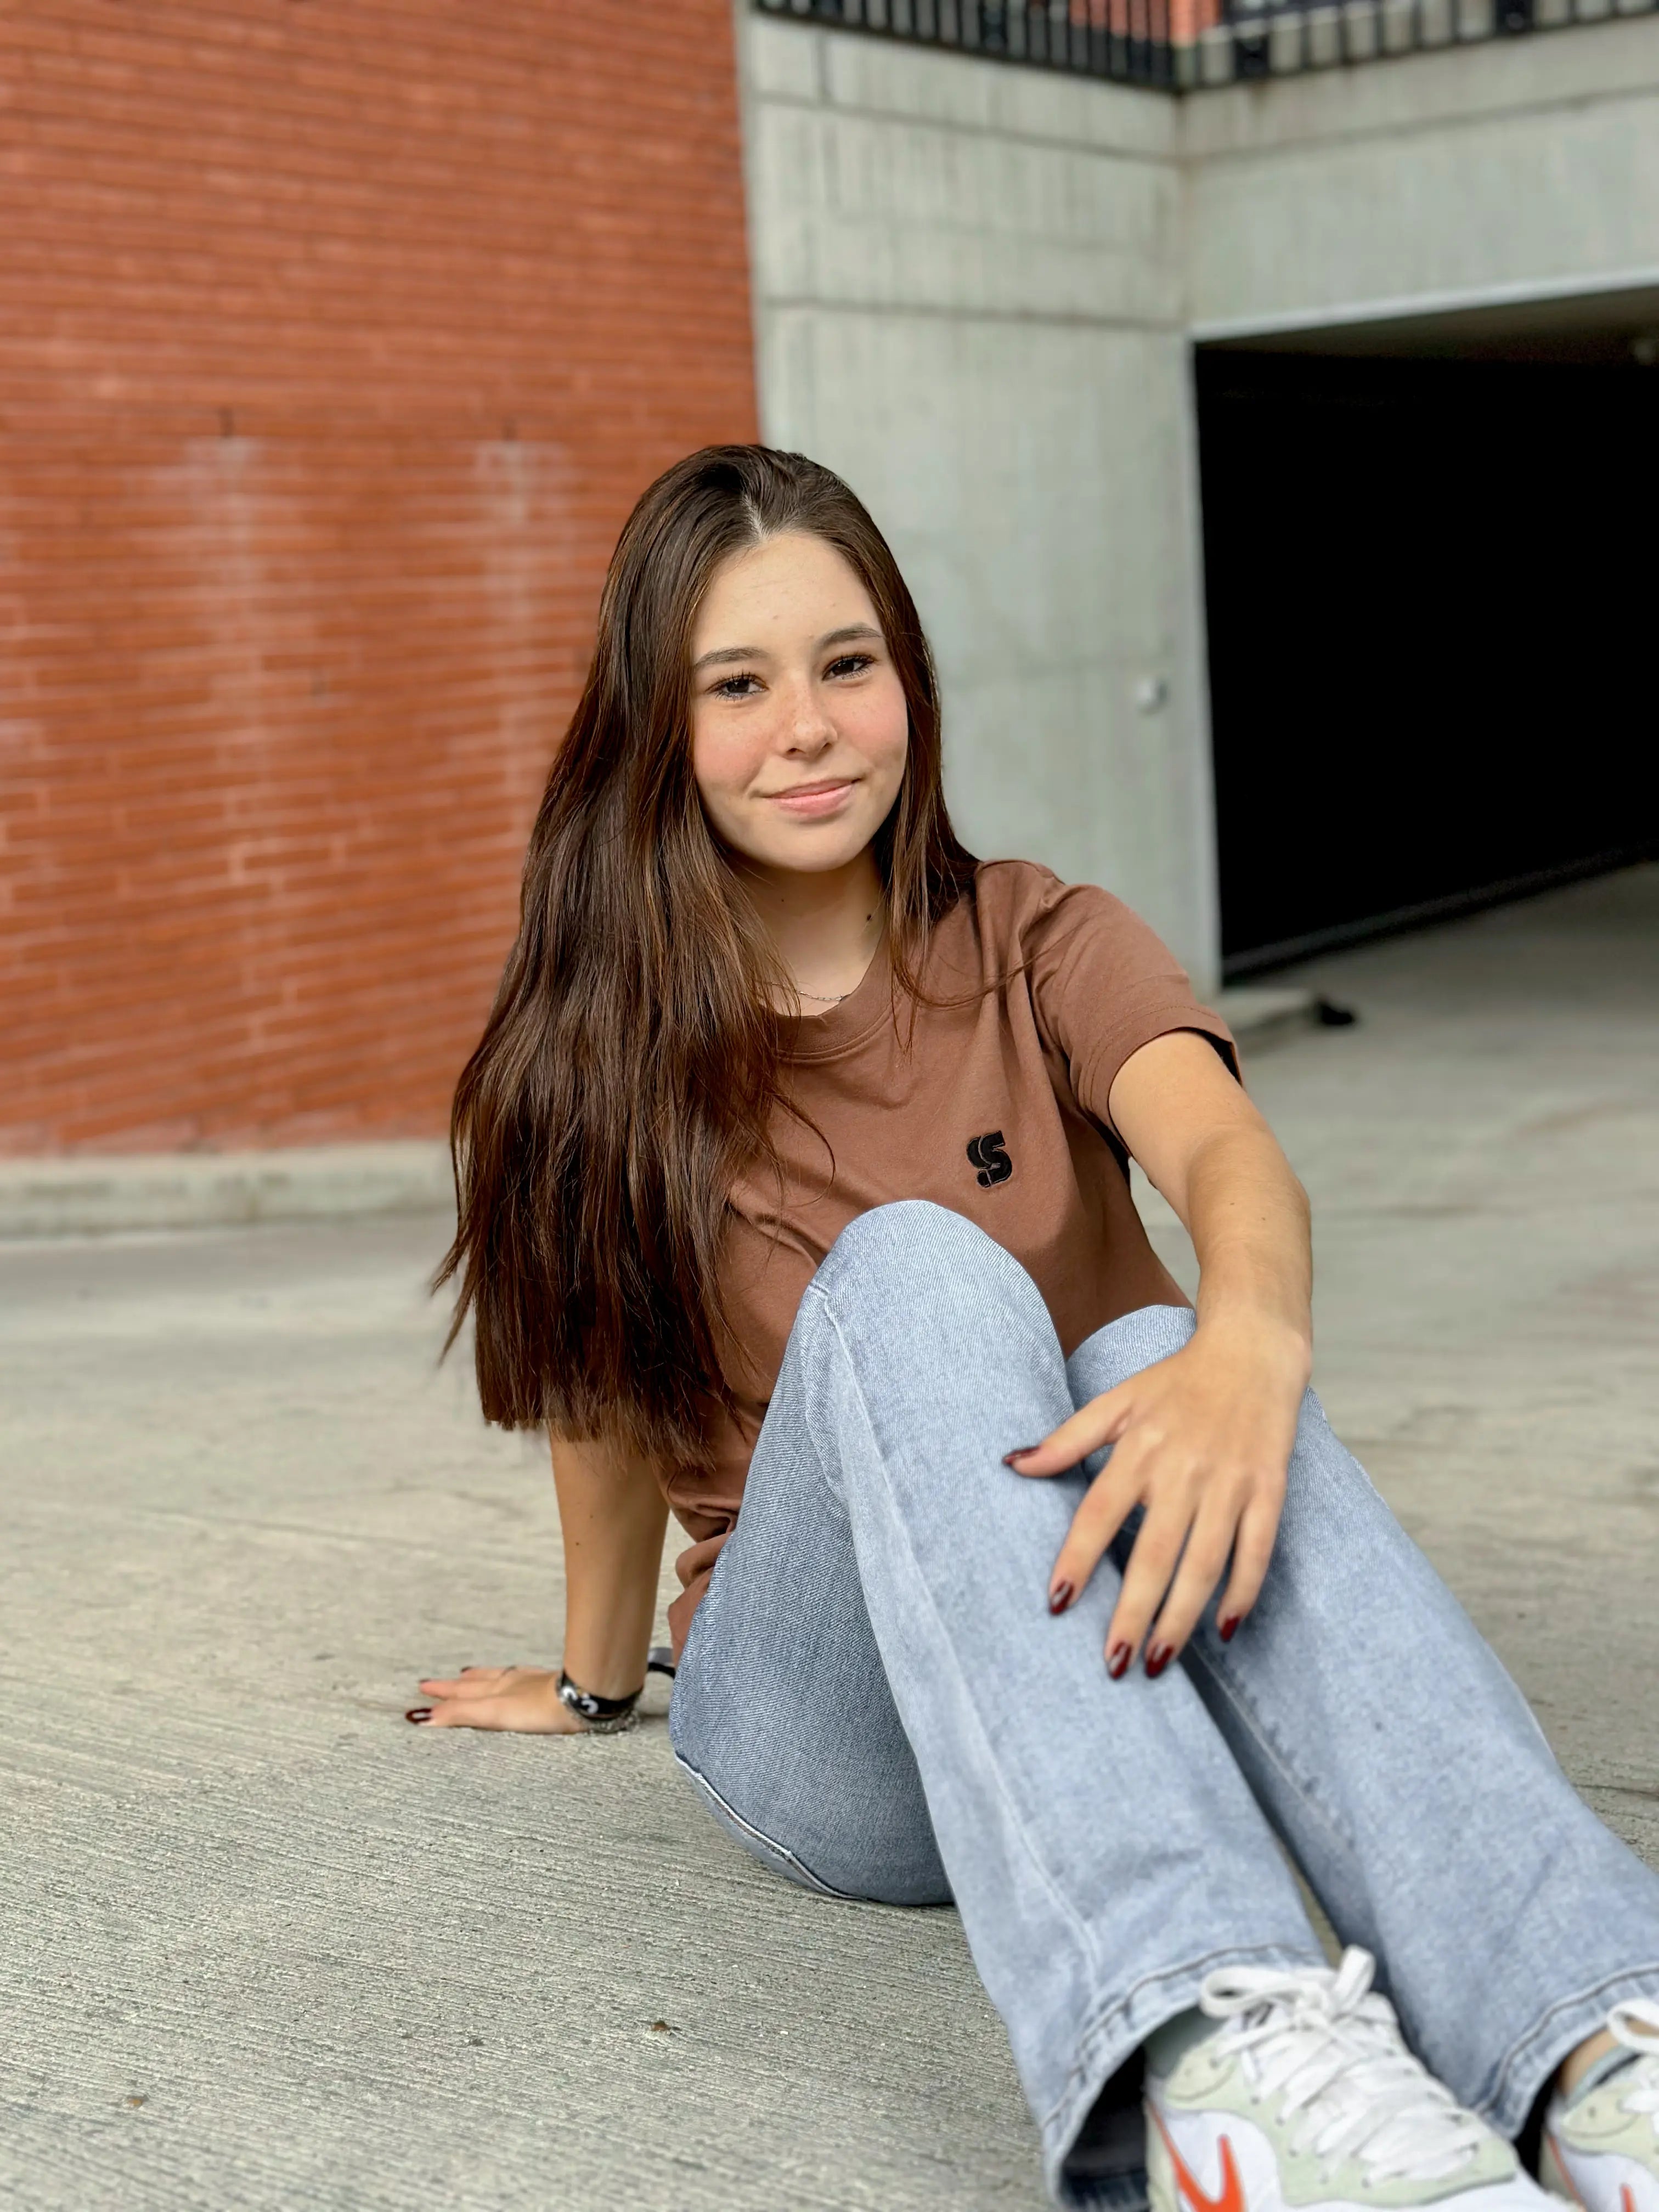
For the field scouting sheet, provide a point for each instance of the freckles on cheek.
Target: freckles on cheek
(722, 764)
(880, 725)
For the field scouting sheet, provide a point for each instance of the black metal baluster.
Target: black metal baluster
(1118, 40)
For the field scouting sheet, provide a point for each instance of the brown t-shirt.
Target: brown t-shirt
(995, 1106)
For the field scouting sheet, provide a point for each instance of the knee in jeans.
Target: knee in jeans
(895, 1237)
(1158, 1332)
(1127, 1347)
(913, 1246)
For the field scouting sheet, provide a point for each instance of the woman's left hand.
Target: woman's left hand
(1203, 1441)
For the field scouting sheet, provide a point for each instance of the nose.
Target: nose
(808, 729)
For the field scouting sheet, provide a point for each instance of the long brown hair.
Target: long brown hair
(630, 1065)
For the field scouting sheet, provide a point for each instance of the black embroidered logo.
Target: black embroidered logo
(988, 1156)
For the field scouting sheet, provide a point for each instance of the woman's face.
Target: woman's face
(799, 723)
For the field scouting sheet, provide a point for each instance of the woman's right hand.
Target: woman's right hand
(524, 1700)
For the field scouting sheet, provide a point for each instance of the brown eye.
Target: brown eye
(851, 664)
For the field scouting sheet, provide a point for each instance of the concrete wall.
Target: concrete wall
(974, 286)
(968, 286)
(1523, 170)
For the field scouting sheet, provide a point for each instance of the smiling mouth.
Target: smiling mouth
(811, 798)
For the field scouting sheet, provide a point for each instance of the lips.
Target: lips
(820, 797)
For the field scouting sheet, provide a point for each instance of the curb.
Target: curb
(103, 1196)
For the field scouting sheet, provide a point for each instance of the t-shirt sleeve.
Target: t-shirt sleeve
(1103, 984)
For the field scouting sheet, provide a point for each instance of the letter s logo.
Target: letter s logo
(986, 1154)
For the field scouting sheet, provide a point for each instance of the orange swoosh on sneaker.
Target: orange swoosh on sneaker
(1231, 2198)
(1565, 2172)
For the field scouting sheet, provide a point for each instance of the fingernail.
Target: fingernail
(1117, 1661)
(418, 1713)
(1060, 1595)
(1229, 1627)
(1023, 1451)
(1158, 1658)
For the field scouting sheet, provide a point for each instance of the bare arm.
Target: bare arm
(1209, 1152)
(1203, 1439)
(612, 1515)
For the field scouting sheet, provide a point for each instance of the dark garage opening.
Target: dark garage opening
(1430, 588)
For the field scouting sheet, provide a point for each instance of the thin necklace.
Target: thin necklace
(818, 998)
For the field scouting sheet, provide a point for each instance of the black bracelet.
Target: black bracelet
(603, 1716)
(610, 1715)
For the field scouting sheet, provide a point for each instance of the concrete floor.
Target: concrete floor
(264, 1946)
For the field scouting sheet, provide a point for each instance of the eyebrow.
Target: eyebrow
(729, 653)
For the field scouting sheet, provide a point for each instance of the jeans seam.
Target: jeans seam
(813, 1881)
(1517, 2050)
(1066, 1911)
(1257, 1729)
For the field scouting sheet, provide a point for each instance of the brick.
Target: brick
(277, 704)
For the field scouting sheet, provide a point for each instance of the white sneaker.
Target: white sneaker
(1601, 2143)
(1306, 2096)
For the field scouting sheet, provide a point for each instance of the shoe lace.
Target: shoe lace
(1326, 2046)
(1636, 2025)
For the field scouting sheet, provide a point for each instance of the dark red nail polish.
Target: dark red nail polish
(1158, 1658)
(1060, 1595)
(1020, 1451)
(418, 1713)
(1229, 1628)
(1117, 1661)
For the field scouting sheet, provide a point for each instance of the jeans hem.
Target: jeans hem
(1125, 2023)
(1528, 2064)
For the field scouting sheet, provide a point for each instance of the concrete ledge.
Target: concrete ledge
(99, 1195)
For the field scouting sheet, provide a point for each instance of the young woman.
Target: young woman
(794, 1177)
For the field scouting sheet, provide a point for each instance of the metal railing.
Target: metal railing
(1179, 45)
(1128, 40)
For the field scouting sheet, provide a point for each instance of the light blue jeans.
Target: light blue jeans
(876, 1702)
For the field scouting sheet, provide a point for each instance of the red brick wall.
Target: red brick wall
(337, 336)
